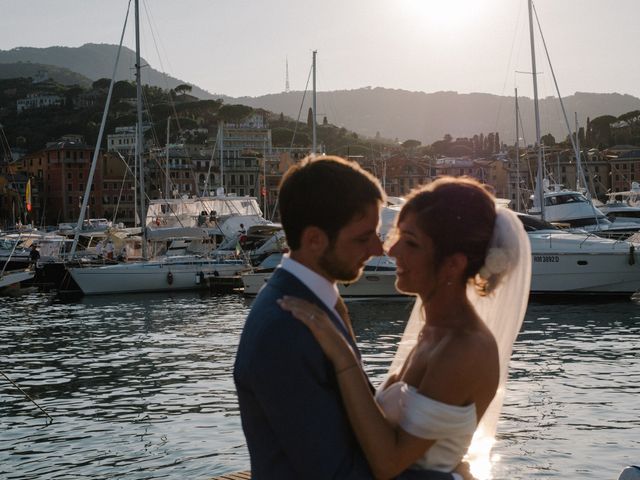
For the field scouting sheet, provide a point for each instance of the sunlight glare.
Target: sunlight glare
(443, 15)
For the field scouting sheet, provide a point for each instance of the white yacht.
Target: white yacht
(623, 206)
(377, 280)
(566, 262)
(571, 209)
(164, 274)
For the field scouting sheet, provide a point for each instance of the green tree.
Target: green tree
(310, 118)
(183, 88)
(548, 140)
(411, 144)
(101, 83)
(233, 113)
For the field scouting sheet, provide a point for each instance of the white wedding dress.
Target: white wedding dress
(451, 426)
(456, 429)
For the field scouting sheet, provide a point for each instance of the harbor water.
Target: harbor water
(140, 386)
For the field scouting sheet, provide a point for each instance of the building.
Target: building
(39, 100)
(124, 140)
(59, 173)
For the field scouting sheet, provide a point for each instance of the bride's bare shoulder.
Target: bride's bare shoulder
(462, 363)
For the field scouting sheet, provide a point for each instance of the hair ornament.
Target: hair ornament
(496, 262)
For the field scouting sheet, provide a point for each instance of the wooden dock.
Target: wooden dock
(234, 476)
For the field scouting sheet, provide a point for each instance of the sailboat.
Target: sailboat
(164, 273)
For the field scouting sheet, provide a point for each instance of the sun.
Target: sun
(443, 15)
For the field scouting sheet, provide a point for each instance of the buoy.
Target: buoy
(170, 278)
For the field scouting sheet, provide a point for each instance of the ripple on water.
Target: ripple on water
(140, 386)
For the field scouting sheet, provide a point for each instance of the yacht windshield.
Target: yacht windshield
(531, 224)
(565, 198)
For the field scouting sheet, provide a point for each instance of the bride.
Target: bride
(468, 263)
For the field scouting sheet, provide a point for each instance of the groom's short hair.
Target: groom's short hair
(326, 192)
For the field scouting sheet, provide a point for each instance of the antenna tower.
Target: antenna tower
(286, 82)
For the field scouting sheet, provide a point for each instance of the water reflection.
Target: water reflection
(140, 386)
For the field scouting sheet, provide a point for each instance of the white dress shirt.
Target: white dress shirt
(326, 291)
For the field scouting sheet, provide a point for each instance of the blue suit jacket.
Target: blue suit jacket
(292, 413)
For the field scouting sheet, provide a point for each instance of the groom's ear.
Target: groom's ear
(314, 239)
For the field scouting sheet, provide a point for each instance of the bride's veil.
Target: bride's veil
(502, 310)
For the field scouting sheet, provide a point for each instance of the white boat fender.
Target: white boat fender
(170, 278)
(630, 473)
(199, 278)
(632, 257)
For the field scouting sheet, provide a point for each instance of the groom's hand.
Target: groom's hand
(463, 469)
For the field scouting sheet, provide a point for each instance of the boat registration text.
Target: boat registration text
(546, 258)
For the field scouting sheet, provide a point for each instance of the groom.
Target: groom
(292, 413)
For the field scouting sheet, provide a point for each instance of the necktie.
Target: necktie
(342, 310)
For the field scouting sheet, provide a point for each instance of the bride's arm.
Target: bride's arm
(389, 450)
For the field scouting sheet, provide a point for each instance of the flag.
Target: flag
(27, 195)
(238, 249)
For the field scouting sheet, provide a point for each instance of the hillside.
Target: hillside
(60, 75)
(94, 61)
(368, 111)
(429, 116)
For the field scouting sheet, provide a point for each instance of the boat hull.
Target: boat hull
(150, 276)
(564, 263)
(370, 284)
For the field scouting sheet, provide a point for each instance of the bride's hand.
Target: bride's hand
(332, 342)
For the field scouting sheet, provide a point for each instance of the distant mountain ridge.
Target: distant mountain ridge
(94, 61)
(430, 116)
(392, 113)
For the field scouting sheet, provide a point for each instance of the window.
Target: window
(69, 187)
(68, 175)
(251, 180)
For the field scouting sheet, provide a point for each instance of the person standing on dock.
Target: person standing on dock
(34, 254)
(292, 413)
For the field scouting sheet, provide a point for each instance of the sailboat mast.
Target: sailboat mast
(534, 74)
(166, 175)
(314, 147)
(517, 153)
(143, 213)
(221, 140)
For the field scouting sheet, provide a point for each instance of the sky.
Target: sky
(241, 47)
